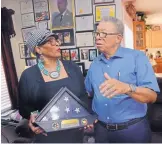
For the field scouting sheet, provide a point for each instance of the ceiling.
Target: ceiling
(152, 8)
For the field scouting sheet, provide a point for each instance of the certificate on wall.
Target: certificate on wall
(104, 10)
(84, 23)
(28, 20)
(42, 25)
(84, 39)
(26, 6)
(26, 32)
(83, 7)
(103, 1)
(41, 10)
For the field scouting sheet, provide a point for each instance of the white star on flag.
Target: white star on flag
(66, 99)
(54, 109)
(67, 109)
(77, 110)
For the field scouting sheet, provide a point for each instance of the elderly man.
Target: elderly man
(64, 18)
(122, 82)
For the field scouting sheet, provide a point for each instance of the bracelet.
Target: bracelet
(35, 112)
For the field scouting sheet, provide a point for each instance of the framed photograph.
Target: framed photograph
(41, 10)
(84, 39)
(26, 32)
(42, 25)
(24, 51)
(84, 56)
(103, 1)
(26, 6)
(104, 10)
(62, 14)
(66, 36)
(65, 54)
(84, 23)
(27, 20)
(82, 67)
(83, 7)
(31, 62)
(74, 55)
(92, 54)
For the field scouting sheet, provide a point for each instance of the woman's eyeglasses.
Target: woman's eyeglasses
(52, 41)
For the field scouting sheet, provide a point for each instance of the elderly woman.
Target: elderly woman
(39, 83)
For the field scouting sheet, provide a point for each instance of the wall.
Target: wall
(15, 5)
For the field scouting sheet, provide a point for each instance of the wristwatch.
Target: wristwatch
(132, 87)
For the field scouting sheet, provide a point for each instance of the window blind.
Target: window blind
(5, 98)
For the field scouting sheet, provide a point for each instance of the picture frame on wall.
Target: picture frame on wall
(65, 54)
(41, 10)
(66, 36)
(26, 32)
(59, 21)
(81, 21)
(31, 62)
(92, 54)
(103, 1)
(74, 55)
(26, 6)
(104, 10)
(82, 67)
(27, 20)
(42, 25)
(83, 7)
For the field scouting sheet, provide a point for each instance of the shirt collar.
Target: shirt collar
(119, 54)
(64, 12)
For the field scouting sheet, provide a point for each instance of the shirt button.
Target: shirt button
(108, 66)
(105, 104)
(108, 118)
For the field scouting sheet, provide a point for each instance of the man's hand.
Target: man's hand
(112, 87)
(36, 130)
(90, 127)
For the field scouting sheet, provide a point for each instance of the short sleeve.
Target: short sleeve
(87, 82)
(145, 73)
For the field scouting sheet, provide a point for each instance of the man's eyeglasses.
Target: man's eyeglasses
(103, 34)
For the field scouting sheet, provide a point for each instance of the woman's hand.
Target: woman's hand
(36, 130)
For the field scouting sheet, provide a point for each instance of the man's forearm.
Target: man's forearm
(143, 95)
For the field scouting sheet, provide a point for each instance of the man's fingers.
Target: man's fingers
(107, 76)
(113, 94)
(109, 91)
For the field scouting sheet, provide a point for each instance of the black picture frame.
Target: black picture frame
(74, 54)
(65, 54)
(110, 1)
(92, 54)
(82, 67)
(42, 15)
(24, 51)
(66, 36)
(60, 124)
(31, 61)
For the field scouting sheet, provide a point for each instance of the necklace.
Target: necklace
(53, 74)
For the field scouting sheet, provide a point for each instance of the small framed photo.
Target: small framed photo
(65, 54)
(82, 67)
(74, 54)
(92, 54)
(31, 62)
(24, 51)
(103, 1)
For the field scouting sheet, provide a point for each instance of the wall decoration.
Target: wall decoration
(83, 7)
(103, 1)
(26, 6)
(104, 10)
(65, 54)
(84, 23)
(84, 39)
(41, 10)
(92, 54)
(66, 36)
(74, 55)
(42, 25)
(26, 32)
(62, 14)
(82, 67)
(28, 20)
(31, 62)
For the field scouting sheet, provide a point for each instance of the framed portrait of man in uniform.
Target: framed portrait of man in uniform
(62, 14)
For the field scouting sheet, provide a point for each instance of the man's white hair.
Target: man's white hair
(118, 23)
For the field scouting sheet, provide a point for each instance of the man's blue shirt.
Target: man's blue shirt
(128, 66)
